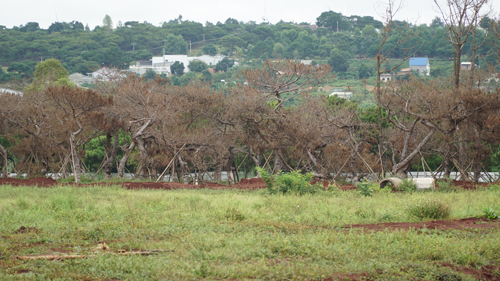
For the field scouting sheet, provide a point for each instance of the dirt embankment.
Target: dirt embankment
(244, 184)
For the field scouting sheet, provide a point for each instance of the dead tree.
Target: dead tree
(276, 78)
(403, 35)
(78, 107)
(461, 18)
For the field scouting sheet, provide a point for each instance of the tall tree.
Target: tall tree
(107, 24)
(461, 18)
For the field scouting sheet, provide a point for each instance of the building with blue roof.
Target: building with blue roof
(420, 65)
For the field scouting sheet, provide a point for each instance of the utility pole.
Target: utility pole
(204, 43)
(189, 47)
(337, 26)
(41, 59)
(133, 46)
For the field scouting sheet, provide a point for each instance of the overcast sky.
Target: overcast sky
(92, 12)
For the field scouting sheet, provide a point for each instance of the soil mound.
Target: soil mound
(244, 184)
(472, 222)
(24, 229)
(29, 182)
(249, 184)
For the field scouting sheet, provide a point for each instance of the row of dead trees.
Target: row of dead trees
(179, 131)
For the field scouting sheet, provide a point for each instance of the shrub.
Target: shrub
(429, 209)
(446, 185)
(490, 213)
(408, 185)
(232, 213)
(367, 188)
(293, 182)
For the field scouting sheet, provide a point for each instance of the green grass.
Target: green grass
(233, 234)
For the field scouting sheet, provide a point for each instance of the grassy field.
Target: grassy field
(231, 234)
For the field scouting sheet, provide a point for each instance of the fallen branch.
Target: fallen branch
(60, 257)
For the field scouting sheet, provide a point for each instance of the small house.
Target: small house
(386, 77)
(467, 65)
(420, 65)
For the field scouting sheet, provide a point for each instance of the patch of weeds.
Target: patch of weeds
(22, 204)
(201, 270)
(365, 188)
(490, 213)
(368, 188)
(387, 217)
(361, 213)
(232, 213)
(428, 209)
(408, 185)
(83, 179)
(293, 182)
(446, 185)
(94, 235)
(447, 276)
(494, 187)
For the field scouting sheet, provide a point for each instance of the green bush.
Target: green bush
(446, 185)
(232, 213)
(367, 188)
(428, 209)
(491, 214)
(293, 182)
(408, 185)
(71, 179)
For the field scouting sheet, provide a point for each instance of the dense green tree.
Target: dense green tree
(363, 71)
(230, 42)
(207, 76)
(332, 20)
(369, 31)
(4, 76)
(175, 45)
(107, 24)
(30, 27)
(149, 75)
(22, 69)
(278, 50)
(177, 68)
(197, 66)
(338, 62)
(224, 64)
(209, 50)
(50, 70)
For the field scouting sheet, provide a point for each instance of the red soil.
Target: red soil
(244, 184)
(481, 223)
(487, 272)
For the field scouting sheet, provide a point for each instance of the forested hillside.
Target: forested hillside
(80, 48)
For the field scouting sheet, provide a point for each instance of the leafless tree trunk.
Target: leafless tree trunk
(123, 162)
(255, 158)
(230, 165)
(3, 151)
(110, 154)
(183, 169)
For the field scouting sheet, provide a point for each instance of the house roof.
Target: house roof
(419, 61)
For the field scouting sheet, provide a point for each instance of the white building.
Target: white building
(103, 74)
(161, 65)
(343, 95)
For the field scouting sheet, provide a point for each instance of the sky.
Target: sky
(92, 12)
